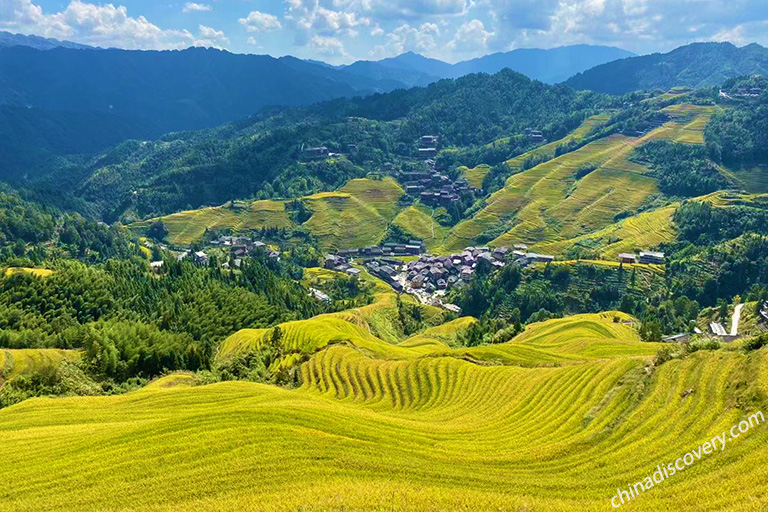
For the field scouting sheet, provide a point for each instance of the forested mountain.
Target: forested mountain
(174, 90)
(550, 66)
(8, 39)
(237, 160)
(695, 65)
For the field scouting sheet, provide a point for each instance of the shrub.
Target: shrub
(756, 343)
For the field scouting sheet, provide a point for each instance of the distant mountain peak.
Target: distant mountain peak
(8, 39)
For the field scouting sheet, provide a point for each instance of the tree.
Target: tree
(158, 231)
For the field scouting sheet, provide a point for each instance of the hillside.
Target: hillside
(174, 90)
(549, 66)
(262, 157)
(590, 198)
(577, 193)
(695, 65)
(398, 429)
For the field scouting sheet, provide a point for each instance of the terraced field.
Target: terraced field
(549, 202)
(39, 272)
(688, 123)
(476, 175)
(419, 222)
(548, 150)
(356, 216)
(15, 362)
(189, 226)
(555, 420)
(552, 208)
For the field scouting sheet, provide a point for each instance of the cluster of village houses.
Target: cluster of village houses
(432, 187)
(239, 247)
(429, 274)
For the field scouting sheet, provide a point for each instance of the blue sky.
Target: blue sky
(340, 31)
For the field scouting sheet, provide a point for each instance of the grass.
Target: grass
(39, 272)
(555, 420)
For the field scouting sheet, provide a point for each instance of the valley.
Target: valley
(522, 281)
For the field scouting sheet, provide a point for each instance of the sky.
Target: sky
(342, 31)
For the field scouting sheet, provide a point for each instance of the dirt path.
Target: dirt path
(735, 320)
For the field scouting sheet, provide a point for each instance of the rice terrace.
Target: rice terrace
(383, 256)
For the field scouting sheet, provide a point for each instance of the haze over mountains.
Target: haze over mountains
(549, 66)
(64, 98)
(695, 65)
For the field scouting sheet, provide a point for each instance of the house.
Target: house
(388, 271)
(717, 329)
(536, 136)
(156, 266)
(414, 250)
(354, 272)
(319, 295)
(442, 284)
(396, 286)
(239, 250)
(453, 308)
(182, 256)
(318, 152)
(539, 258)
(330, 261)
(500, 253)
(626, 257)
(428, 141)
(427, 153)
(520, 247)
(201, 258)
(651, 257)
(414, 189)
(675, 338)
(418, 281)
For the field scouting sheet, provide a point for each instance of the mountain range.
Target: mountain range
(549, 66)
(49, 88)
(696, 65)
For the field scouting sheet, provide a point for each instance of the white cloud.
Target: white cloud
(471, 37)
(327, 17)
(210, 37)
(260, 22)
(407, 38)
(194, 7)
(328, 46)
(101, 25)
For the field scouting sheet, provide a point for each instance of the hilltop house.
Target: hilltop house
(651, 257)
(626, 257)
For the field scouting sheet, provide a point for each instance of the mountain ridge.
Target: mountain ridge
(695, 65)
